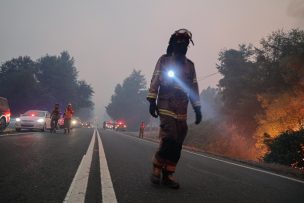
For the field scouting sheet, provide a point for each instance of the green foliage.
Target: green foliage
(41, 84)
(129, 101)
(239, 88)
(18, 83)
(259, 90)
(58, 77)
(253, 75)
(286, 149)
(280, 61)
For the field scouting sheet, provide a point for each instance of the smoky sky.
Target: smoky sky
(108, 39)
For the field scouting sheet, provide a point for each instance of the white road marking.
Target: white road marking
(247, 167)
(77, 190)
(228, 162)
(107, 190)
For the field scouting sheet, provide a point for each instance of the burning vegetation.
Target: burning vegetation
(259, 98)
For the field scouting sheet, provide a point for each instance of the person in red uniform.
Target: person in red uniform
(141, 130)
(173, 84)
(68, 114)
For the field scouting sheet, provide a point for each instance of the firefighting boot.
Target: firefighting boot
(155, 176)
(169, 180)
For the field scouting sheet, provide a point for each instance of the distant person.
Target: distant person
(55, 116)
(173, 84)
(68, 114)
(141, 130)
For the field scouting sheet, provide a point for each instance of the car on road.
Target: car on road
(120, 126)
(86, 125)
(33, 119)
(5, 114)
(75, 122)
(108, 124)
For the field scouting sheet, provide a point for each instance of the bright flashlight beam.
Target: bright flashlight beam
(171, 74)
(185, 88)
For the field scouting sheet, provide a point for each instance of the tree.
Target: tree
(41, 84)
(286, 149)
(262, 88)
(129, 101)
(19, 84)
(282, 60)
(239, 88)
(83, 100)
(58, 78)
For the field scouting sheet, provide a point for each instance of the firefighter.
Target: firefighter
(68, 114)
(141, 130)
(173, 84)
(55, 115)
(104, 125)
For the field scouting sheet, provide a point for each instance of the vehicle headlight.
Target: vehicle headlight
(40, 120)
(74, 122)
(18, 119)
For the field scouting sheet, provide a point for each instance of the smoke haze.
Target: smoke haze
(108, 39)
(296, 9)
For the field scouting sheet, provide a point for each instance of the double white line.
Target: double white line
(78, 188)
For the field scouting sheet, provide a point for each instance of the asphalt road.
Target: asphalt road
(43, 167)
(39, 167)
(202, 179)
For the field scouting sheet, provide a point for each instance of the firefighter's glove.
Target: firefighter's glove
(198, 115)
(153, 109)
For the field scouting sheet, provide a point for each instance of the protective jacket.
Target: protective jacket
(55, 114)
(68, 113)
(173, 93)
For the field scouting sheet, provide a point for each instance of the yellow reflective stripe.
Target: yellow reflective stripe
(172, 114)
(166, 112)
(152, 95)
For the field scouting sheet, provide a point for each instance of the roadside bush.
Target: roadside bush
(286, 149)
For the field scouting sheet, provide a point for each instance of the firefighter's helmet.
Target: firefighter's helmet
(180, 39)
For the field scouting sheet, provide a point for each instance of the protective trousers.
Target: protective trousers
(172, 134)
(141, 133)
